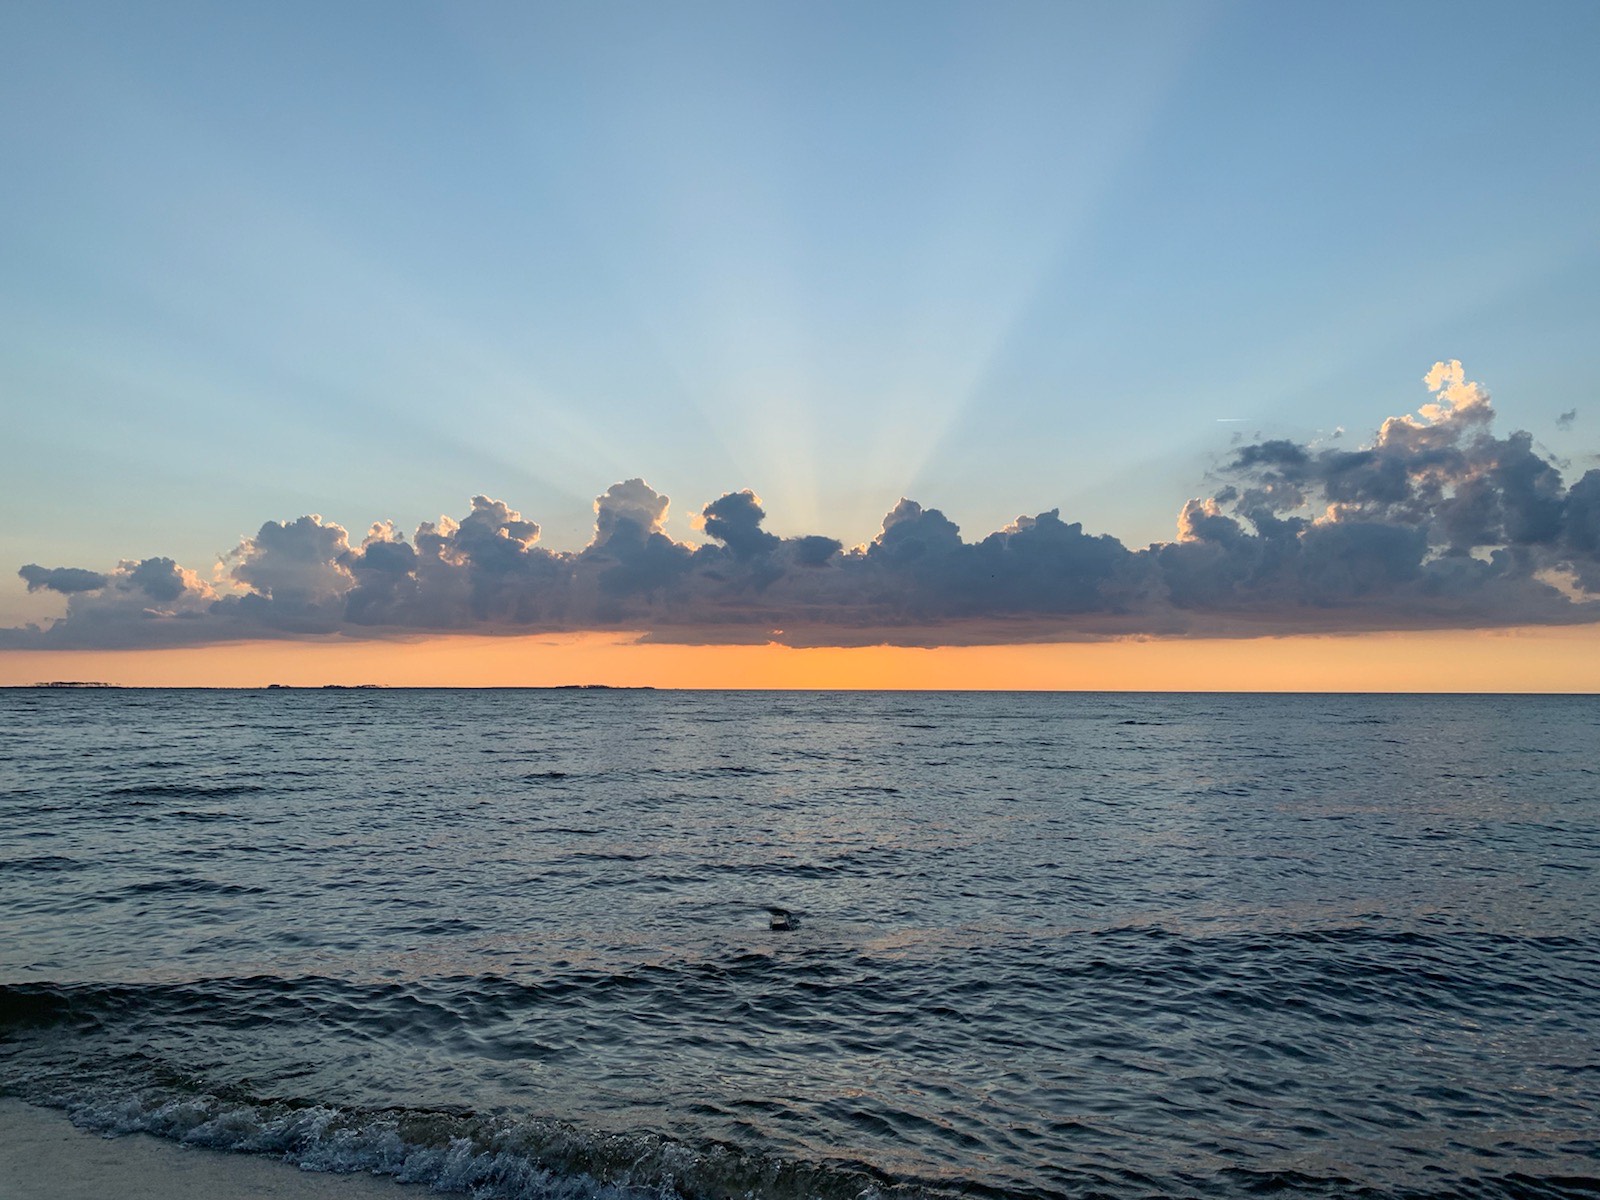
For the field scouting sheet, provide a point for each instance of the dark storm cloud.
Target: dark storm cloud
(1437, 522)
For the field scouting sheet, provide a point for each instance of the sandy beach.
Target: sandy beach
(43, 1156)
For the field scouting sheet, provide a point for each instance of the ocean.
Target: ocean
(523, 943)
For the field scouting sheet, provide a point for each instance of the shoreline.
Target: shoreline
(44, 1156)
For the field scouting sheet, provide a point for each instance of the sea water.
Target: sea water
(521, 943)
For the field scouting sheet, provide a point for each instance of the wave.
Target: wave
(183, 791)
(487, 1156)
(265, 1064)
(42, 863)
(1343, 973)
(497, 1157)
(188, 886)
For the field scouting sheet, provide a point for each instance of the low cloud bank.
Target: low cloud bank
(1437, 523)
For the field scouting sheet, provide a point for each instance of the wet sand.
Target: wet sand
(43, 1156)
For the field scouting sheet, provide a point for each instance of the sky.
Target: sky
(797, 344)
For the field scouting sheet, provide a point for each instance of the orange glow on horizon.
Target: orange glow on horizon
(1563, 659)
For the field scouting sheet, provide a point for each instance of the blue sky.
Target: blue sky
(368, 260)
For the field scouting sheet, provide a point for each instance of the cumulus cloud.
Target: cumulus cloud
(65, 580)
(1436, 521)
(735, 520)
(147, 601)
(1455, 397)
(632, 509)
(296, 562)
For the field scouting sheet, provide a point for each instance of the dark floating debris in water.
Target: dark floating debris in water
(782, 918)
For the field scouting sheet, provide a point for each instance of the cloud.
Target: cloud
(1435, 522)
(1567, 419)
(297, 563)
(1580, 531)
(735, 520)
(633, 509)
(1456, 398)
(65, 580)
(150, 601)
